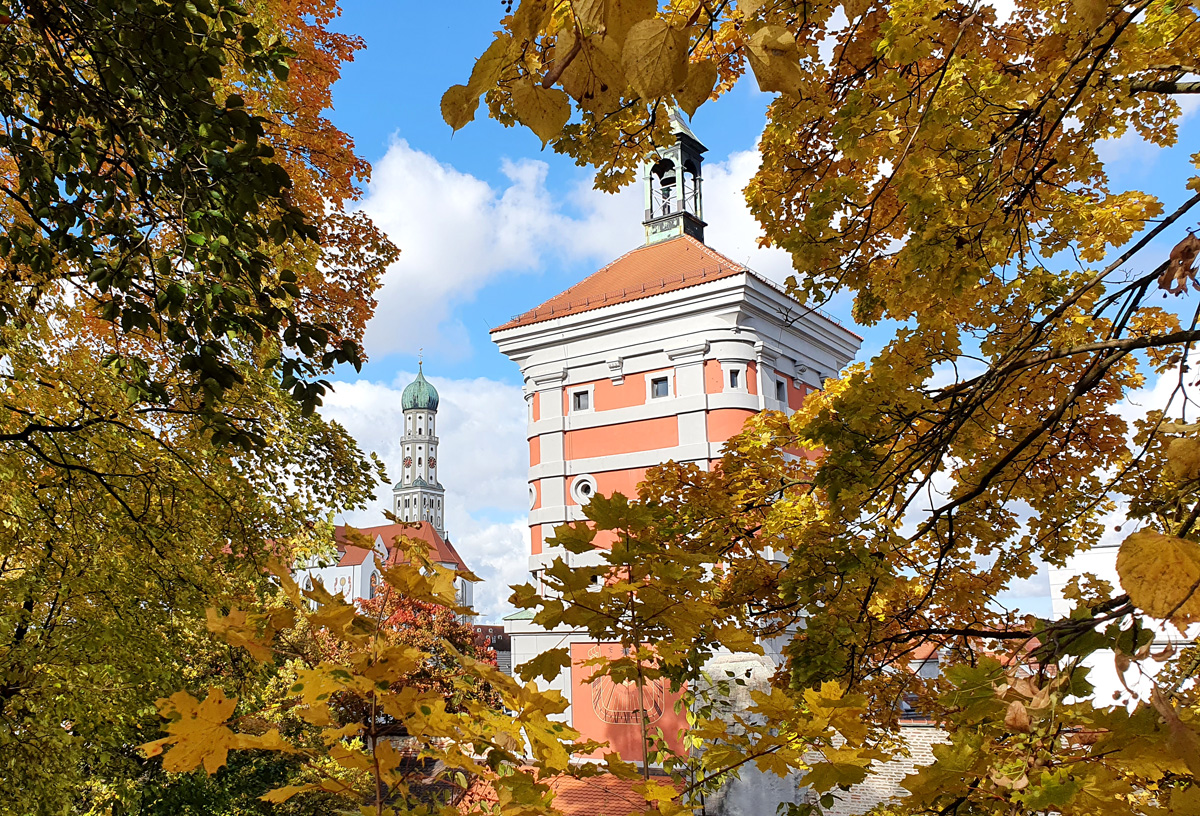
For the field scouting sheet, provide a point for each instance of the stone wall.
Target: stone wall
(883, 784)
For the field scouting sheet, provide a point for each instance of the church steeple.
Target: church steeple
(418, 496)
(671, 185)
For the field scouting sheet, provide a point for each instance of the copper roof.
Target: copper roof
(649, 270)
(440, 550)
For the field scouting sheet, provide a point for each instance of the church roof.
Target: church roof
(440, 550)
(419, 393)
(679, 126)
(649, 270)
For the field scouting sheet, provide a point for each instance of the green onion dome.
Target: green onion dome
(419, 394)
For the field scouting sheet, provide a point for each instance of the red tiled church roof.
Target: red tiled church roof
(603, 795)
(440, 550)
(649, 270)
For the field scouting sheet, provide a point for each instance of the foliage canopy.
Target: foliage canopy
(938, 160)
(180, 267)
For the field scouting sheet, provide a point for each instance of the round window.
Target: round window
(583, 488)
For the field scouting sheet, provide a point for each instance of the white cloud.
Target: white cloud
(457, 233)
(482, 462)
(732, 230)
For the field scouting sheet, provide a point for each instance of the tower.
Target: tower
(418, 496)
(671, 182)
(660, 355)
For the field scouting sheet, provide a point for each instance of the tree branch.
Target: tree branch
(1163, 86)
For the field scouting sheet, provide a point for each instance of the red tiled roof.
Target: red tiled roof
(649, 270)
(440, 550)
(603, 795)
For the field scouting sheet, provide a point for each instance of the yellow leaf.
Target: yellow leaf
(544, 111)
(595, 77)
(701, 79)
(1091, 12)
(622, 15)
(1183, 455)
(280, 795)
(488, 68)
(656, 792)
(1161, 574)
(331, 736)
(618, 767)
(198, 732)
(548, 664)
(458, 106)
(655, 58)
(350, 758)
(775, 59)
(270, 741)
(240, 630)
(529, 18)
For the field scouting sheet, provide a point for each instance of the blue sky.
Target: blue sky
(490, 224)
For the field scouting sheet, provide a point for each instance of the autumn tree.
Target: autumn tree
(181, 267)
(379, 736)
(439, 632)
(937, 160)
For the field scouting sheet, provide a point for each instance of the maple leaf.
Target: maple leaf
(1181, 266)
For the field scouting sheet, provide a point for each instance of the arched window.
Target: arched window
(662, 188)
(691, 188)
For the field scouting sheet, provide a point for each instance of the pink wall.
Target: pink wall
(629, 437)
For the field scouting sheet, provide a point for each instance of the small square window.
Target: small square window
(781, 390)
(580, 401)
(734, 378)
(659, 387)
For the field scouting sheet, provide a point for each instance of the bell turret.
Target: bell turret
(671, 182)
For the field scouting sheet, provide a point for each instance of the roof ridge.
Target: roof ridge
(672, 254)
(717, 256)
(604, 268)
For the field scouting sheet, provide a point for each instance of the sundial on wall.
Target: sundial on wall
(617, 703)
